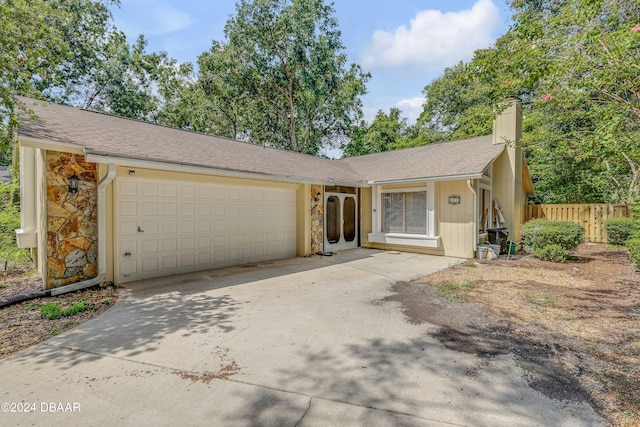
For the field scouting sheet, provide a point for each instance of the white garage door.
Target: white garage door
(168, 227)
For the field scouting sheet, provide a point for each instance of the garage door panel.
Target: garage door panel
(170, 228)
(128, 208)
(170, 262)
(148, 226)
(128, 227)
(187, 208)
(169, 208)
(204, 226)
(168, 190)
(188, 260)
(187, 243)
(149, 246)
(129, 267)
(186, 191)
(187, 226)
(148, 207)
(128, 188)
(204, 258)
(149, 189)
(204, 242)
(203, 192)
(149, 265)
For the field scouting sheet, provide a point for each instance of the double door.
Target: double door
(341, 221)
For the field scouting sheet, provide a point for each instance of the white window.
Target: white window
(404, 212)
(405, 216)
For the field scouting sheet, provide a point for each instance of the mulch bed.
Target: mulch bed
(22, 325)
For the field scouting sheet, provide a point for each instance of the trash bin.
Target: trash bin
(511, 247)
(498, 236)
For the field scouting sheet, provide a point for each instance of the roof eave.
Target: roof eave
(427, 179)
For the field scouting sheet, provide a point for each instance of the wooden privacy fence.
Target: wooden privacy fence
(590, 216)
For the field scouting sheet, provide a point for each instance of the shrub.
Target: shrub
(539, 233)
(619, 230)
(634, 250)
(553, 252)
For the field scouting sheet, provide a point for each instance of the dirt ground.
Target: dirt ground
(574, 327)
(21, 325)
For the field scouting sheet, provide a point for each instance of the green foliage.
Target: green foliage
(280, 78)
(77, 307)
(553, 252)
(633, 245)
(453, 291)
(382, 134)
(9, 222)
(620, 229)
(50, 311)
(45, 44)
(573, 65)
(544, 238)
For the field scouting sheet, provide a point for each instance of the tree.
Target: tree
(591, 96)
(280, 78)
(385, 131)
(44, 44)
(127, 80)
(574, 66)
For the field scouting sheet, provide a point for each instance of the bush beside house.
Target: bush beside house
(551, 240)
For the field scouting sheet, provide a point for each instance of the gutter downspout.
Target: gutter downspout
(102, 241)
(475, 215)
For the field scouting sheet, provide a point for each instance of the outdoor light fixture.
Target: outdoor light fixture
(454, 200)
(74, 182)
(317, 197)
(132, 172)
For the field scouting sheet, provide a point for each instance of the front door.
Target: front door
(341, 219)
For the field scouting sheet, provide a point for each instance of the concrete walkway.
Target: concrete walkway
(294, 342)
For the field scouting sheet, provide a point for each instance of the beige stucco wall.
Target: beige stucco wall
(455, 222)
(507, 170)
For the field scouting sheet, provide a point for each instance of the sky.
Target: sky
(404, 44)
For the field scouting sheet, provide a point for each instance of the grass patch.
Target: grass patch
(51, 310)
(470, 264)
(454, 291)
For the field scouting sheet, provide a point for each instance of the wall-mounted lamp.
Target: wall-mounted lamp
(74, 182)
(454, 200)
(316, 198)
(132, 172)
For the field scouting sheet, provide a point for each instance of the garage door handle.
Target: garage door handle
(140, 230)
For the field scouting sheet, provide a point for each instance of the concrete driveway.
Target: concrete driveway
(291, 342)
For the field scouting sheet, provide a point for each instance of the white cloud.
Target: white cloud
(435, 40)
(411, 108)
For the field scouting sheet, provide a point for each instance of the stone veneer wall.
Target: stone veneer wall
(317, 219)
(72, 228)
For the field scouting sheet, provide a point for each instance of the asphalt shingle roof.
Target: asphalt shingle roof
(109, 135)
